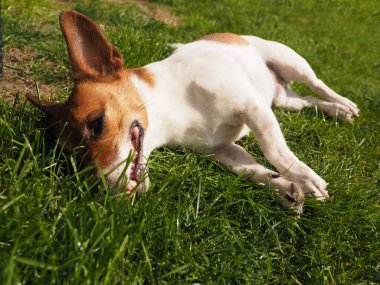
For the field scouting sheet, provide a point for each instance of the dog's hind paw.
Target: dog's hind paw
(342, 112)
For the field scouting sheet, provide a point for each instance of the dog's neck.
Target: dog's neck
(150, 88)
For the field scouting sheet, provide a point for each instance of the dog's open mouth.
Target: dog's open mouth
(137, 167)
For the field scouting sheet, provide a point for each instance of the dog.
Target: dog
(205, 96)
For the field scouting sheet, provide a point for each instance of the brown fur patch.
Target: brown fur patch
(143, 74)
(226, 38)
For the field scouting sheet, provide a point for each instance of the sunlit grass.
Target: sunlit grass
(198, 223)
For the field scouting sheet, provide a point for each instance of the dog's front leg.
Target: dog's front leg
(262, 121)
(241, 162)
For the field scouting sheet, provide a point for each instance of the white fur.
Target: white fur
(208, 94)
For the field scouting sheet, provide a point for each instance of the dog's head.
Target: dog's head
(104, 113)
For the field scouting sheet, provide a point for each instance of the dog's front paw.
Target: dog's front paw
(292, 198)
(316, 189)
(309, 181)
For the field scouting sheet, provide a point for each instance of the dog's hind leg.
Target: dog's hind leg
(288, 99)
(241, 162)
(290, 66)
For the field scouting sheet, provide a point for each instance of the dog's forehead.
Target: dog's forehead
(93, 97)
(117, 99)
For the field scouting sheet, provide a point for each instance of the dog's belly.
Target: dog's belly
(205, 138)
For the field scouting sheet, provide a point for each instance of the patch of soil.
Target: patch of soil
(15, 55)
(158, 13)
(16, 76)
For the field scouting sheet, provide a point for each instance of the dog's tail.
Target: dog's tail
(176, 45)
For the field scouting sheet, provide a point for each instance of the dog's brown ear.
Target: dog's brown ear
(91, 55)
(50, 108)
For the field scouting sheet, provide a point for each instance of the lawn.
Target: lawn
(199, 223)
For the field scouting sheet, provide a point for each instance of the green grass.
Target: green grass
(198, 223)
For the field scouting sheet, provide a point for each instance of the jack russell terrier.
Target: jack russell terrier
(205, 96)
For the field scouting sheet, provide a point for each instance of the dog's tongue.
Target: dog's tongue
(132, 184)
(135, 133)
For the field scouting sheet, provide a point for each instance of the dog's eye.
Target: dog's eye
(96, 127)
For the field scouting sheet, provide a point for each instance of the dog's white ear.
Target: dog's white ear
(91, 54)
(50, 108)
